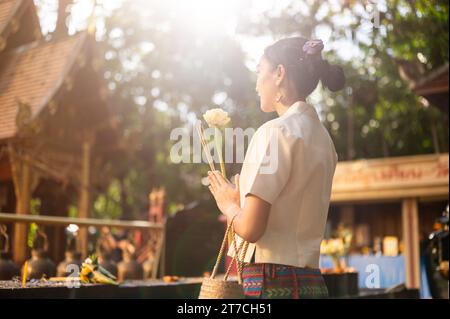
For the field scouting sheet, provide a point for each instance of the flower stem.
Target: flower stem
(218, 141)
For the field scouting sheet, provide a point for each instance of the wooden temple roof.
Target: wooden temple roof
(434, 82)
(19, 23)
(7, 9)
(32, 74)
(434, 87)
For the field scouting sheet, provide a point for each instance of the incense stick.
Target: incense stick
(24, 273)
(205, 148)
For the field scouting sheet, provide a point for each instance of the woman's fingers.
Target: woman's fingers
(214, 184)
(221, 180)
(236, 181)
(213, 179)
(211, 190)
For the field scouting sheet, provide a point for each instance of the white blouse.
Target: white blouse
(290, 163)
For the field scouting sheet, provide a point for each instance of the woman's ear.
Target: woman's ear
(280, 74)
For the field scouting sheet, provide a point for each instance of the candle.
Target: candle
(390, 246)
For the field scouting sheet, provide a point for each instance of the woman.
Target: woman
(281, 208)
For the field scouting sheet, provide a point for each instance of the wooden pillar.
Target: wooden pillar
(410, 226)
(23, 198)
(24, 182)
(84, 196)
(156, 214)
(162, 263)
(348, 215)
(351, 132)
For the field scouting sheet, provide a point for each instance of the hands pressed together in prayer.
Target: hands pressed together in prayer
(225, 193)
(251, 220)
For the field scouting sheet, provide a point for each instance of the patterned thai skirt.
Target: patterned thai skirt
(273, 281)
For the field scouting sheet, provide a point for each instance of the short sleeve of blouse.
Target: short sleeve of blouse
(268, 162)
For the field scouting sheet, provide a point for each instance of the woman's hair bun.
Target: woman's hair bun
(304, 63)
(332, 76)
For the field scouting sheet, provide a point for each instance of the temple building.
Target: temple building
(56, 128)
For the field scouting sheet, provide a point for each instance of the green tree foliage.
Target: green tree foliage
(378, 114)
(163, 73)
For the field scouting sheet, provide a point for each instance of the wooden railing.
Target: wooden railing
(65, 221)
(83, 222)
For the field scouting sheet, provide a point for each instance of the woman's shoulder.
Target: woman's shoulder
(285, 127)
(276, 129)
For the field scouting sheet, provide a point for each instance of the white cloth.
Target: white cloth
(290, 163)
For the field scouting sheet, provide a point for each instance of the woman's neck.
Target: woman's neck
(281, 108)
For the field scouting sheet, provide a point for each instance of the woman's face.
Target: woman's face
(266, 85)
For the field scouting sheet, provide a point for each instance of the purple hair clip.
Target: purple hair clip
(313, 47)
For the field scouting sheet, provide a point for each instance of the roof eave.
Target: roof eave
(13, 24)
